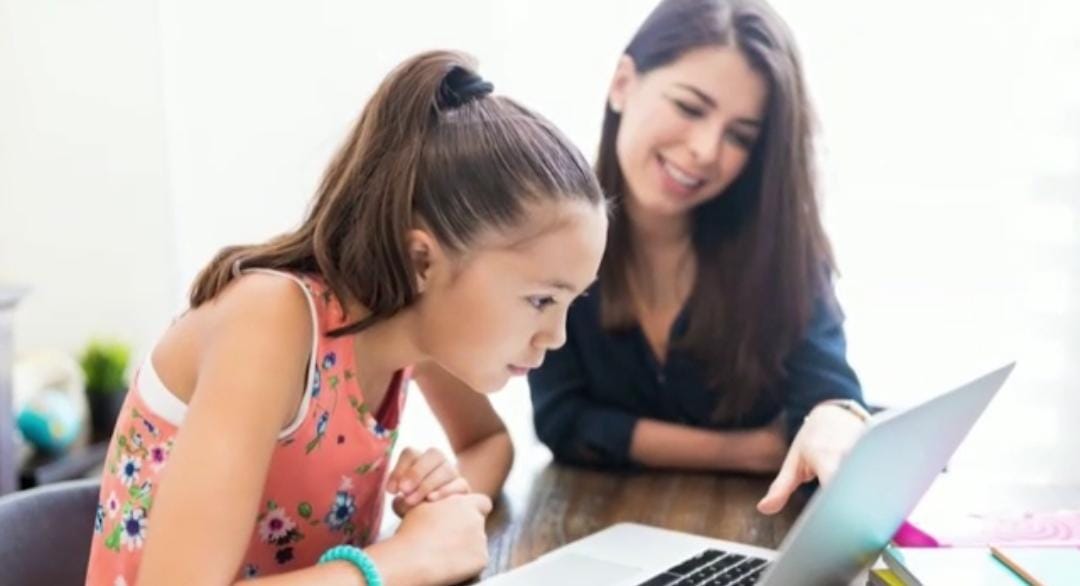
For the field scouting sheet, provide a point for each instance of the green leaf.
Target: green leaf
(312, 444)
(104, 363)
(112, 542)
(304, 510)
(364, 469)
(271, 505)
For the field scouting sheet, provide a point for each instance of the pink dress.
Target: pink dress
(326, 480)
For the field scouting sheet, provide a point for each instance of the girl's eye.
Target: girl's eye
(540, 302)
(688, 110)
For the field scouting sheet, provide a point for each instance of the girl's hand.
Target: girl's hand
(423, 477)
(829, 433)
(447, 537)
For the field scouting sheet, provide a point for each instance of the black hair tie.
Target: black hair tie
(461, 86)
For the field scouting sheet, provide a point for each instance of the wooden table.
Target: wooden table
(546, 505)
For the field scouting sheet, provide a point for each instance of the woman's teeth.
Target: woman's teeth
(688, 181)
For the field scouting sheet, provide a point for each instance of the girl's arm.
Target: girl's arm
(251, 372)
(476, 433)
(250, 375)
(446, 536)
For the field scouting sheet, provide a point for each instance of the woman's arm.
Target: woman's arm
(477, 435)
(659, 444)
(823, 433)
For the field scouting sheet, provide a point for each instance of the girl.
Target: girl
(258, 433)
(713, 338)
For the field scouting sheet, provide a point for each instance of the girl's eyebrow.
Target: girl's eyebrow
(563, 285)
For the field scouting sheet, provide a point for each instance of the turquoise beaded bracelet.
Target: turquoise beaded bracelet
(356, 557)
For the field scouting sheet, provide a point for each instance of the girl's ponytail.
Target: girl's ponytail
(432, 145)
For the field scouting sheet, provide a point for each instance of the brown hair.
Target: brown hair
(432, 146)
(763, 256)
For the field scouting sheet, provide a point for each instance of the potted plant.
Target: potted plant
(104, 364)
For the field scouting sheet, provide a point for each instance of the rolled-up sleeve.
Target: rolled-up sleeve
(818, 369)
(577, 428)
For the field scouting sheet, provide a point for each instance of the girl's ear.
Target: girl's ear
(426, 256)
(622, 83)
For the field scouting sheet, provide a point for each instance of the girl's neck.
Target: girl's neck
(385, 347)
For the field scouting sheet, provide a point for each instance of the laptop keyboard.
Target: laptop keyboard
(714, 568)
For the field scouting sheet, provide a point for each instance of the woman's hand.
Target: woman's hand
(829, 433)
(423, 477)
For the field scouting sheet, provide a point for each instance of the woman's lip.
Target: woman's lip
(672, 185)
(696, 178)
(518, 370)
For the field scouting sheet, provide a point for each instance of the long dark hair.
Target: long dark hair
(430, 145)
(763, 258)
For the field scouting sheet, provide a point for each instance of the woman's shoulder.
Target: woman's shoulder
(585, 310)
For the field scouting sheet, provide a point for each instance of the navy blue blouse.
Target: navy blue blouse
(589, 394)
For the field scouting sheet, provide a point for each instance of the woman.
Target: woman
(712, 339)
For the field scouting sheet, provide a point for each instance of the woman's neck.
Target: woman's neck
(664, 264)
(656, 232)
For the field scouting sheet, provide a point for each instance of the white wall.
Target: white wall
(938, 119)
(260, 94)
(136, 138)
(84, 208)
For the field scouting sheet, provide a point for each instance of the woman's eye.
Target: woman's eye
(688, 110)
(539, 303)
(742, 140)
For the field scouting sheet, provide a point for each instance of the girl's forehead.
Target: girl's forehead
(552, 241)
(540, 220)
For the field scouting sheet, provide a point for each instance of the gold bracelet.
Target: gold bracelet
(849, 405)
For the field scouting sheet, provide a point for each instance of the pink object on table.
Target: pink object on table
(1045, 529)
(911, 536)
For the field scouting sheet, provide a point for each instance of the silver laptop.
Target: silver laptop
(839, 534)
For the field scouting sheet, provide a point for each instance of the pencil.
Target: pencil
(1015, 567)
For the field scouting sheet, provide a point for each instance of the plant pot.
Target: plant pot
(104, 410)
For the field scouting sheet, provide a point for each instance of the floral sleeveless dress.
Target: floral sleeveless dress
(326, 481)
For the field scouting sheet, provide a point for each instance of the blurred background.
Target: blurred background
(138, 137)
